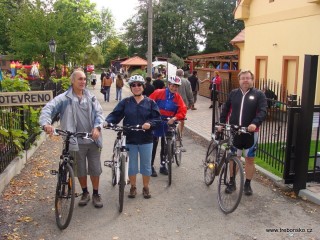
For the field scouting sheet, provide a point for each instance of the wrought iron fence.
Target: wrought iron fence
(21, 118)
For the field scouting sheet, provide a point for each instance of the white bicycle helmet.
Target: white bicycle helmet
(175, 80)
(136, 78)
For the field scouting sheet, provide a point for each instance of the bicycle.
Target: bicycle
(220, 160)
(172, 149)
(120, 159)
(65, 190)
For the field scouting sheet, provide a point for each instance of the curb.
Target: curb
(17, 164)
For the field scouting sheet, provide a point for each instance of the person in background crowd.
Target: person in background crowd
(185, 92)
(106, 85)
(139, 143)
(159, 83)
(216, 80)
(149, 88)
(249, 109)
(93, 78)
(119, 86)
(79, 111)
(113, 76)
(194, 81)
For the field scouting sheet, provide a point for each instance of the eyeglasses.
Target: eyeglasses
(82, 79)
(245, 78)
(136, 85)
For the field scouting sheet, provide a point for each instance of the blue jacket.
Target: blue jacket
(136, 114)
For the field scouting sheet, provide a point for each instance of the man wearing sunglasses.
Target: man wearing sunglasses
(79, 111)
(171, 106)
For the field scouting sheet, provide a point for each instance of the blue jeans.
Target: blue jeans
(144, 151)
(118, 94)
(107, 94)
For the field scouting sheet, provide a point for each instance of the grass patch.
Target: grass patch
(278, 151)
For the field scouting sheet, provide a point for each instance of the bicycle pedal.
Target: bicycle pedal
(108, 164)
(53, 172)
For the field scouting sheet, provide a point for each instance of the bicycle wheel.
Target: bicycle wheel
(64, 199)
(210, 163)
(178, 145)
(122, 182)
(229, 201)
(170, 159)
(115, 159)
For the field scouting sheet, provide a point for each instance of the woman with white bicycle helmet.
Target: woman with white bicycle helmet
(136, 83)
(138, 110)
(174, 80)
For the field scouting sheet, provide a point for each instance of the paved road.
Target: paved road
(185, 210)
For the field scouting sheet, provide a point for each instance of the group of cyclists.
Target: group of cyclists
(80, 110)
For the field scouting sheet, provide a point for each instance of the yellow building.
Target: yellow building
(277, 36)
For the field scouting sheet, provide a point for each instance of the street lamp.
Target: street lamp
(53, 47)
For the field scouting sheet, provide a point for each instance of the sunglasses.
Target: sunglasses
(136, 85)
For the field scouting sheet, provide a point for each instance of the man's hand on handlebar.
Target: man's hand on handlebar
(252, 127)
(146, 126)
(48, 129)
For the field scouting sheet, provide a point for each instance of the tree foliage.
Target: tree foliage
(182, 25)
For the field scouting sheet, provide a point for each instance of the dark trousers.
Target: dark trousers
(154, 150)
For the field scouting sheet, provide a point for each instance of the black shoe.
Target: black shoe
(247, 189)
(164, 170)
(154, 173)
(230, 188)
(211, 106)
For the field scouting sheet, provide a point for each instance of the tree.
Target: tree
(219, 24)
(114, 48)
(105, 28)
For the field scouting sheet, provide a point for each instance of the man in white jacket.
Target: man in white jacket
(79, 111)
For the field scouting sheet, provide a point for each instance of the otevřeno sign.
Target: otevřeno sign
(25, 98)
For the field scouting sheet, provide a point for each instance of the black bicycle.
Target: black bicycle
(221, 160)
(65, 190)
(120, 159)
(172, 148)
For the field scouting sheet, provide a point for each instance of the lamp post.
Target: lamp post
(53, 47)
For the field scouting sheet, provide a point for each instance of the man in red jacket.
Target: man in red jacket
(171, 106)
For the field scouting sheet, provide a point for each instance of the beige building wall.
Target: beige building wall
(284, 31)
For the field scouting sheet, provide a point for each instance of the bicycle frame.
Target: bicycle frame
(121, 145)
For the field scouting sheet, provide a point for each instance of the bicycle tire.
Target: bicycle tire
(228, 202)
(113, 166)
(210, 163)
(170, 159)
(178, 145)
(65, 196)
(122, 182)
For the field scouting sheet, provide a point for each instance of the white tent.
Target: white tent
(171, 69)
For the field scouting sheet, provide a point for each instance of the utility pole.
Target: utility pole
(149, 56)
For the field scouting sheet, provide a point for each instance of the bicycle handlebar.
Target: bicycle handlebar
(83, 135)
(118, 128)
(232, 127)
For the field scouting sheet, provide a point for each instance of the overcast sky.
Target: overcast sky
(121, 9)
